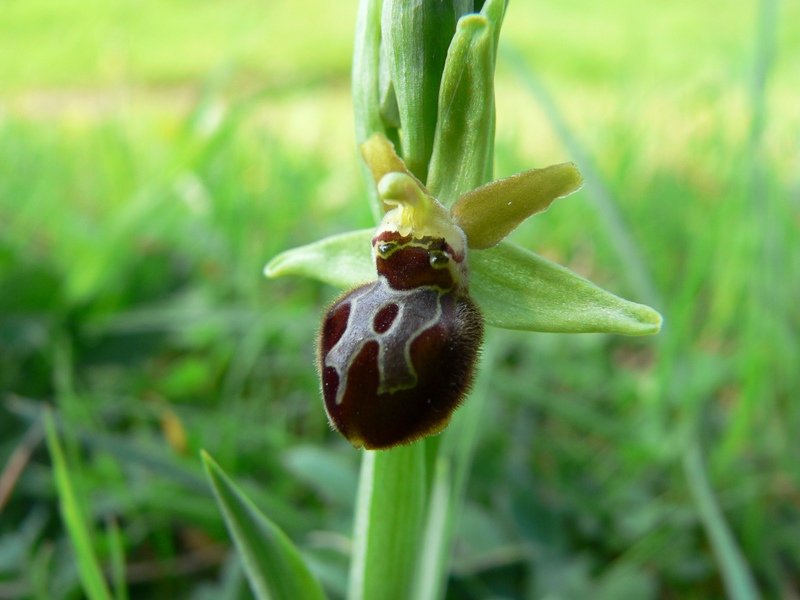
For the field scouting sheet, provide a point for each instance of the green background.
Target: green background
(155, 155)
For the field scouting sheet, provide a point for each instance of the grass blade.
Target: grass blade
(448, 485)
(94, 583)
(273, 565)
(736, 575)
(116, 547)
(434, 551)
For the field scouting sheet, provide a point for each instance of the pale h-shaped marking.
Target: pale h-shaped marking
(419, 310)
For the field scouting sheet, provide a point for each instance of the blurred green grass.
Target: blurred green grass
(153, 156)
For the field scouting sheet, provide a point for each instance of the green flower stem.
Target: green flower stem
(450, 474)
(445, 102)
(390, 511)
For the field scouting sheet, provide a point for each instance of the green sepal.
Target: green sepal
(462, 148)
(343, 260)
(517, 289)
(489, 213)
(390, 512)
(273, 565)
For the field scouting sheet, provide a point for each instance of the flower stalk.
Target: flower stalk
(423, 94)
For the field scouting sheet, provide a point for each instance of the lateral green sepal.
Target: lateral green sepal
(343, 260)
(517, 289)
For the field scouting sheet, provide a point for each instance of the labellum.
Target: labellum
(397, 356)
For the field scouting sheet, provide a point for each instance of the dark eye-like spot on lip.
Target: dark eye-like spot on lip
(438, 258)
(385, 317)
(334, 325)
(330, 384)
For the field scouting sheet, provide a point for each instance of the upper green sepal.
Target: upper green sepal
(515, 288)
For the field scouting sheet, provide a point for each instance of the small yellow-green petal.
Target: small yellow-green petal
(380, 156)
(341, 260)
(489, 213)
(516, 289)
